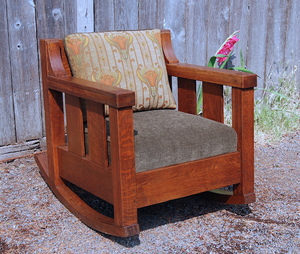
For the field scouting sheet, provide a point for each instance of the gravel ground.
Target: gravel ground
(32, 220)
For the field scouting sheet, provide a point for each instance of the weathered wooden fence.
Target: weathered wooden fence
(269, 39)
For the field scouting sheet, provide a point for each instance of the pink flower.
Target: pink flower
(226, 48)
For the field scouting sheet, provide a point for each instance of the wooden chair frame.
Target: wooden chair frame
(117, 182)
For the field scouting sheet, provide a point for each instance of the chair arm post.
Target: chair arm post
(123, 166)
(243, 123)
(54, 124)
(53, 106)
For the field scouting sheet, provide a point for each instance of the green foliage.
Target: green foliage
(199, 98)
(212, 61)
(227, 90)
(278, 111)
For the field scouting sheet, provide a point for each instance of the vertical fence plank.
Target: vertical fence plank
(174, 19)
(24, 68)
(126, 14)
(160, 13)
(104, 15)
(70, 12)
(52, 19)
(174, 16)
(217, 24)
(149, 15)
(257, 42)
(276, 39)
(198, 28)
(292, 46)
(239, 21)
(7, 124)
(85, 16)
(196, 32)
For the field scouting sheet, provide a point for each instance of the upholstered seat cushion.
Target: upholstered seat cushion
(167, 137)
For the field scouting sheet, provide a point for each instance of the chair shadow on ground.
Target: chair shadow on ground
(160, 214)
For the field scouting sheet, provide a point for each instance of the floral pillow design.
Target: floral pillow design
(129, 59)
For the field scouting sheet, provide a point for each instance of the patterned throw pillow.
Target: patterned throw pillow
(131, 60)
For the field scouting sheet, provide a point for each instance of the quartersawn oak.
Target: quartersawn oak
(116, 181)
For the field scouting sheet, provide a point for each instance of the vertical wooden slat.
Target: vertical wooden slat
(276, 38)
(240, 21)
(187, 96)
(196, 32)
(54, 130)
(257, 42)
(70, 12)
(7, 124)
(85, 16)
(150, 15)
(174, 19)
(75, 130)
(216, 24)
(56, 18)
(104, 16)
(50, 19)
(160, 14)
(123, 166)
(213, 102)
(243, 123)
(97, 137)
(126, 14)
(292, 43)
(24, 70)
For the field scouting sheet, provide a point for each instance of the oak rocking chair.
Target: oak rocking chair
(112, 128)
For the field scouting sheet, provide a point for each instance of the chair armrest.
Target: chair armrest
(231, 78)
(110, 95)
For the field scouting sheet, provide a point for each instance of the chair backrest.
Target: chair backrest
(131, 60)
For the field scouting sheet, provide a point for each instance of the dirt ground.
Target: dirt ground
(32, 220)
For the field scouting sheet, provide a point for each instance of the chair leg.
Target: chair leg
(123, 167)
(243, 193)
(243, 123)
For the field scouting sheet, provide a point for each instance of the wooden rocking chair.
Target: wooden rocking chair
(106, 140)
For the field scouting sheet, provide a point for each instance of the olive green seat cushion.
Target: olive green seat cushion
(167, 137)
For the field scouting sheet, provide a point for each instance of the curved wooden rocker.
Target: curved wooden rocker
(108, 170)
